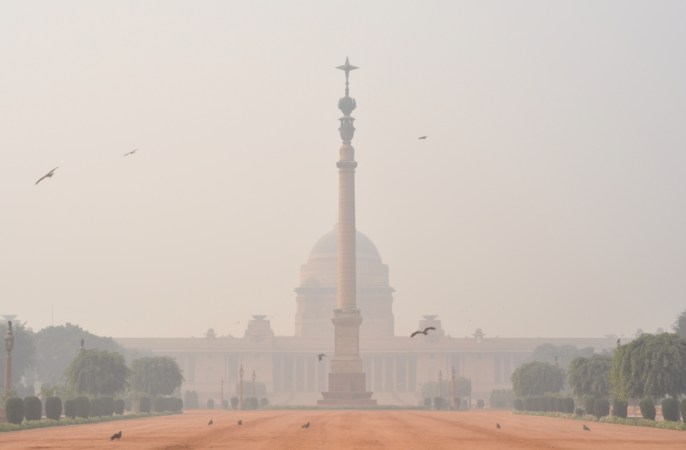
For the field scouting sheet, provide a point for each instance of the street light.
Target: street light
(240, 399)
(253, 385)
(452, 389)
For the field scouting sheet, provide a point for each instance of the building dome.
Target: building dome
(327, 247)
(316, 295)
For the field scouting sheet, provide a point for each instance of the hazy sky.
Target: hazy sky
(548, 200)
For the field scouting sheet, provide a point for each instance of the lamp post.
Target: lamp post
(9, 344)
(240, 389)
(452, 389)
(253, 385)
(221, 393)
(440, 382)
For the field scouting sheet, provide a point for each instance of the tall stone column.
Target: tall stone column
(346, 379)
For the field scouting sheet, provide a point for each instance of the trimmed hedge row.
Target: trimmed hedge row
(545, 404)
(31, 408)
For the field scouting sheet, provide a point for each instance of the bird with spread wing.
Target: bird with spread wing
(425, 332)
(47, 175)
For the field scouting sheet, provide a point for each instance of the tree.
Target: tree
(98, 372)
(56, 347)
(590, 376)
(650, 366)
(156, 375)
(23, 352)
(537, 378)
(680, 324)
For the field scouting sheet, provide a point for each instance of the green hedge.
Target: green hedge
(601, 408)
(14, 409)
(144, 405)
(33, 408)
(170, 404)
(670, 409)
(210, 403)
(119, 405)
(619, 408)
(83, 407)
(70, 408)
(647, 409)
(53, 408)
(682, 407)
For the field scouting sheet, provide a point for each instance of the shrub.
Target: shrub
(264, 402)
(579, 412)
(234, 402)
(210, 403)
(568, 405)
(480, 404)
(682, 407)
(619, 408)
(119, 405)
(53, 408)
(438, 402)
(144, 405)
(33, 408)
(502, 398)
(457, 401)
(225, 404)
(601, 408)
(83, 406)
(70, 408)
(14, 410)
(647, 409)
(102, 406)
(670, 409)
(190, 399)
(163, 404)
(250, 403)
(589, 403)
(519, 404)
(548, 404)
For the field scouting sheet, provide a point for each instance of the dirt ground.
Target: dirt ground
(332, 430)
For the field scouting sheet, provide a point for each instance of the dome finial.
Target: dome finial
(347, 67)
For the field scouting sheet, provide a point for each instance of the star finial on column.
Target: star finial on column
(347, 67)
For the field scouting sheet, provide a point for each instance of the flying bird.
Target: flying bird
(422, 137)
(47, 175)
(210, 422)
(240, 422)
(586, 428)
(497, 425)
(307, 425)
(320, 356)
(116, 436)
(425, 332)
(131, 152)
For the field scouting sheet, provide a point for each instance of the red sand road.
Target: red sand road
(332, 430)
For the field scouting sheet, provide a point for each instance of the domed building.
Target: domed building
(316, 295)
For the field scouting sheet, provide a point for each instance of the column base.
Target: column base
(347, 389)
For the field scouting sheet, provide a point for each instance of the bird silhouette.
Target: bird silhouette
(116, 436)
(240, 422)
(210, 422)
(47, 175)
(131, 152)
(586, 428)
(422, 137)
(320, 356)
(425, 332)
(497, 425)
(307, 425)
